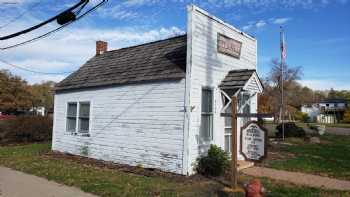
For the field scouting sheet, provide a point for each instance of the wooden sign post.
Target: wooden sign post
(234, 144)
(234, 115)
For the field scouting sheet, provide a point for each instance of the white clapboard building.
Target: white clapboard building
(158, 104)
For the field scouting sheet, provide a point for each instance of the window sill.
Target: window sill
(79, 134)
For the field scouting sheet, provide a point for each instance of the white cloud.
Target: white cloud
(33, 77)
(125, 10)
(43, 65)
(119, 37)
(42, 78)
(263, 4)
(325, 84)
(260, 24)
(11, 2)
(253, 25)
(247, 27)
(67, 50)
(280, 21)
(131, 3)
(119, 12)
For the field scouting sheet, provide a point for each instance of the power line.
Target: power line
(55, 30)
(9, 3)
(43, 23)
(21, 15)
(33, 71)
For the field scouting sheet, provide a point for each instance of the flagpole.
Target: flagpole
(282, 78)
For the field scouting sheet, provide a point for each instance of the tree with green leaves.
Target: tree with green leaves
(42, 95)
(14, 94)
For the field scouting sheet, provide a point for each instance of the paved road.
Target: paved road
(299, 178)
(18, 184)
(338, 131)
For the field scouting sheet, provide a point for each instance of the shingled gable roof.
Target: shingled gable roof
(159, 60)
(236, 79)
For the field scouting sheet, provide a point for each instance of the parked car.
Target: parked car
(6, 117)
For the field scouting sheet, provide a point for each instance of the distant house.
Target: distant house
(39, 111)
(332, 110)
(159, 104)
(312, 110)
(328, 111)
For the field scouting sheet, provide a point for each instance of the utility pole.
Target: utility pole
(283, 58)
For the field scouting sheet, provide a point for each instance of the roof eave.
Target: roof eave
(109, 85)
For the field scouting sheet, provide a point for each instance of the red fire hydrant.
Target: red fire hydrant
(254, 189)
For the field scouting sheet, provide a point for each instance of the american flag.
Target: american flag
(283, 47)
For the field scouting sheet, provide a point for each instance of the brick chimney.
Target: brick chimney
(101, 47)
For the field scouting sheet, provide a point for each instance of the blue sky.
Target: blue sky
(317, 33)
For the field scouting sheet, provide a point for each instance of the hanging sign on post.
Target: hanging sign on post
(253, 141)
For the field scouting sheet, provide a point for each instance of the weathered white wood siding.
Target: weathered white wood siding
(140, 124)
(206, 67)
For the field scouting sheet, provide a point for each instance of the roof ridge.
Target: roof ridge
(148, 43)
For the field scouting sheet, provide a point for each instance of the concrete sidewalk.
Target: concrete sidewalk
(18, 184)
(299, 178)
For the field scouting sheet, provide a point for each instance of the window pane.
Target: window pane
(206, 127)
(246, 97)
(228, 121)
(72, 109)
(246, 110)
(84, 110)
(229, 109)
(228, 143)
(84, 124)
(228, 131)
(243, 99)
(207, 100)
(71, 124)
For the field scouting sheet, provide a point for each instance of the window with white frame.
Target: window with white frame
(72, 117)
(228, 139)
(244, 105)
(78, 117)
(206, 132)
(84, 117)
(228, 129)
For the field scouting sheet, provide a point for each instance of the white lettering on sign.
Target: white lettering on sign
(253, 141)
(229, 46)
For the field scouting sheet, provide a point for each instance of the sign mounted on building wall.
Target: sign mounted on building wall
(253, 141)
(229, 46)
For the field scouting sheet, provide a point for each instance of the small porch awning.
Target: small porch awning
(245, 79)
(240, 83)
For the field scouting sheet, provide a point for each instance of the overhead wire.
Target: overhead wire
(81, 8)
(34, 71)
(57, 29)
(42, 23)
(21, 15)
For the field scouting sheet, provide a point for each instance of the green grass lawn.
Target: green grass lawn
(330, 158)
(108, 182)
